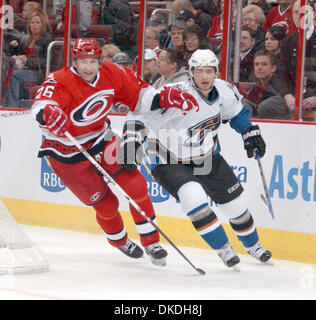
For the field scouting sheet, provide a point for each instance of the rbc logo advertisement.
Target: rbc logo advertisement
(156, 192)
(49, 180)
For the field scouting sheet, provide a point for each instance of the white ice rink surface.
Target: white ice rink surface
(85, 267)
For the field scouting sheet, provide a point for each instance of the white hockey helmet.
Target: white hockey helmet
(203, 58)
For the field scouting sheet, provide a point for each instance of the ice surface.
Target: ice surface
(85, 266)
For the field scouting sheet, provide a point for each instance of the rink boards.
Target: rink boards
(34, 195)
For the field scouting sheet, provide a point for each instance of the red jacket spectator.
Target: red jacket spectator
(284, 19)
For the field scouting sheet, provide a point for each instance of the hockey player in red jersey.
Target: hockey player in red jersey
(78, 99)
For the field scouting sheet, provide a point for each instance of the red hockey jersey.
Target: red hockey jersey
(283, 19)
(216, 29)
(87, 106)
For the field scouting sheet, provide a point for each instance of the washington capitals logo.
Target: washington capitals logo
(198, 132)
(93, 109)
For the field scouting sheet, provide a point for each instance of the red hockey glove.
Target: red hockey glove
(54, 120)
(174, 98)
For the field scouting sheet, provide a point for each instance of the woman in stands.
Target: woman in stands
(254, 18)
(273, 37)
(194, 38)
(272, 41)
(31, 61)
(29, 8)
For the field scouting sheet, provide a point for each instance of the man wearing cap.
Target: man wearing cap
(150, 74)
(159, 23)
(201, 18)
(123, 59)
(185, 15)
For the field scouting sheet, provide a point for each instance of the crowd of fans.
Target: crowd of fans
(268, 46)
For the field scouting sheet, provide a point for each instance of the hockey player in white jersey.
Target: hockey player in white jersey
(185, 157)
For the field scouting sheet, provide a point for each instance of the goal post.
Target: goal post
(18, 254)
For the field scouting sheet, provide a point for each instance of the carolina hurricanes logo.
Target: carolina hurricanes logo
(282, 24)
(93, 109)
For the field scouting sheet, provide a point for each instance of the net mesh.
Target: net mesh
(18, 254)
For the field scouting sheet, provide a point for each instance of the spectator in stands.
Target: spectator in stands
(201, 18)
(108, 52)
(194, 38)
(313, 4)
(176, 36)
(12, 40)
(186, 16)
(158, 22)
(288, 58)
(4, 68)
(262, 98)
(30, 64)
(170, 68)
(247, 43)
(272, 41)
(273, 37)
(281, 15)
(81, 13)
(263, 4)
(211, 7)
(28, 8)
(152, 39)
(150, 74)
(119, 16)
(123, 59)
(254, 18)
(215, 32)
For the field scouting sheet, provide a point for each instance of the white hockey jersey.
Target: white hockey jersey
(177, 136)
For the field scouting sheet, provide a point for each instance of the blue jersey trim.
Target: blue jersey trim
(241, 121)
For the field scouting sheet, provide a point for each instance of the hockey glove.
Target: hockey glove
(174, 98)
(253, 141)
(130, 153)
(54, 120)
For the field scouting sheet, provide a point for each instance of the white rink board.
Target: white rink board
(289, 166)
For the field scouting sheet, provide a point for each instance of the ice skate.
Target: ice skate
(157, 254)
(229, 257)
(131, 249)
(260, 253)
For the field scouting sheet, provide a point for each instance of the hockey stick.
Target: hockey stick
(267, 199)
(14, 113)
(110, 181)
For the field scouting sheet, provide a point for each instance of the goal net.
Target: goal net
(18, 254)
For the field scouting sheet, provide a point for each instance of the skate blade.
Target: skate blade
(159, 262)
(235, 268)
